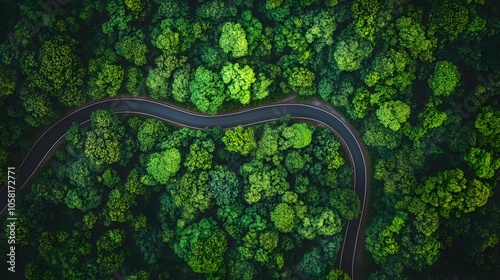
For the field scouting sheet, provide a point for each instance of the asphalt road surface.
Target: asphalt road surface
(139, 106)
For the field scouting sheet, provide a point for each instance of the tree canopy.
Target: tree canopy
(445, 78)
(417, 81)
(164, 164)
(233, 39)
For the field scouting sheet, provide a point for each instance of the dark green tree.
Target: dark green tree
(202, 245)
(57, 70)
(223, 185)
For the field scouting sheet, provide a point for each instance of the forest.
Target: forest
(166, 203)
(419, 80)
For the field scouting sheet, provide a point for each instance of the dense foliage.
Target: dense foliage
(418, 79)
(178, 207)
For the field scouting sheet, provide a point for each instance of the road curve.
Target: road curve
(140, 106)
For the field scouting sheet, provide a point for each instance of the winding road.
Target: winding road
(140, 106)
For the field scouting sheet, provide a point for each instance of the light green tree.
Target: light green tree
(240, 140)
(135, 82)
(165, 39)
(262, 181)
(238, 81)
(133, 48)
(302, 81)
(349, 53)
(260, 88)
(150, 132)
(412, 36)
(191, 193)
(103, 146)
(449, 192)
(138, 7)
(164, 165)
(299, 135)
(8, 80)
(432, 117)
(382, 235)
(445, 78)
(207, 90)
(233, 39)
(110, 79)
(488, 124)
(482, 162)
(38, 107)
(267, 146)
(319, 221)
(364, 11)
(199, 157)
(284, 218)
(180, 84)
(393, 113)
